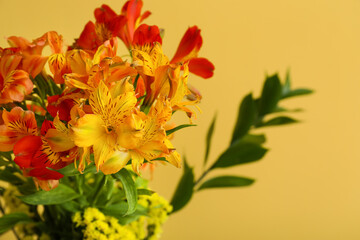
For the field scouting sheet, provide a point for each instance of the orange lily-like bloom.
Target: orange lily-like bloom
(105, 28)
(109, 24)
(131, 12)
(33, 62)
(146, 35)
(143, 137)
(34, 154)
(161, 78)
(17, 124)
(58, 64)
(188, 50)
(15, 84)
(88, 71)
(99, 130)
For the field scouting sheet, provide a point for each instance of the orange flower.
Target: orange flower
(146, 35)
(33, 62)
(14, 83)
(28, 153)
(17, 124)
(188, 50)
(99, 130)
(57, 61)
(131, 12)
(109, 25)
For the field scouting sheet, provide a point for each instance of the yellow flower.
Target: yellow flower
(97, 226)
(98, 130)
(158, 211)
(144, 137)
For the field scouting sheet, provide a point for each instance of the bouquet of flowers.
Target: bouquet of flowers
(77, 127)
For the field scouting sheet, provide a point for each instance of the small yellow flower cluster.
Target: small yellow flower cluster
(97, 226)
(158, 211)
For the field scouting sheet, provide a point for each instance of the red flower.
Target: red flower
(59, 104)
(188, 50)
(146, 34)
(29, 157)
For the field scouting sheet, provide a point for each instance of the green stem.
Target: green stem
(98, 189)
(202, 177)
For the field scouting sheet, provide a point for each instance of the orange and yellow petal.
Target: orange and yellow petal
(34, 64)
(115, 162)
(104, 148)
(189, 45)
(58, 141)
(17, 84)
(88, 130)
(136, 161)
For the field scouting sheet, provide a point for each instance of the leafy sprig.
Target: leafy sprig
(244, 147)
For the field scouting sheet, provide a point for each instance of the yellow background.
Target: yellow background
(307, 186)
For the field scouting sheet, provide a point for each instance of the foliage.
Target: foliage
(244, 147)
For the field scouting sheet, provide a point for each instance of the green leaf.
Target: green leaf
(8, 221)
(144, 191)
(119, 210)
(130, 189)
(59, 195)
(55, 89)
(279, 121)
(239, 153)
(168, 132)
(109, 188)
(116, 210)
(41, 85)
(70, 170)
(287, 85)
(184, 189)
(71, 206)
(28, 187)
(208, 139)
(226, 181)
(246, 117)
(297, 92)
(136, 80)
(270, 95)
(281, 109)
(252, 138)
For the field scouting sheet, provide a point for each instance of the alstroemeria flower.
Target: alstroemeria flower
(188, 50)
(29, 157)
(109, 69)
(109, 24)
(98, 130)
(163, 79)
(143, 138)
(33, 62)
(146, 35)
(14, 83)
(104, 29)
(61, 105)
(17, 124)
(131, 12)
(58, 64)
